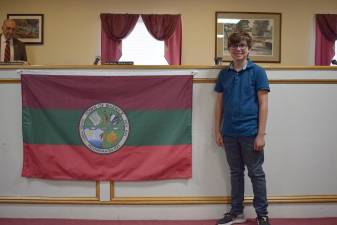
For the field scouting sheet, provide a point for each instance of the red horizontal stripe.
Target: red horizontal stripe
(128, 92)
(129, 163)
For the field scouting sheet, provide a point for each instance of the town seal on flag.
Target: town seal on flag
(104, 128)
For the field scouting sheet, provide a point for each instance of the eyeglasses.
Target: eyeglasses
(240, 46)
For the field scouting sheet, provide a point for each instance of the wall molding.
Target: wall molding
(209, 200)
(162, 200)
(212, 80)
(160, 67)
(52, 200)
(278, 81)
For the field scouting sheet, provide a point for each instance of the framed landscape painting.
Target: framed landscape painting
(29, 27)
(265, 29)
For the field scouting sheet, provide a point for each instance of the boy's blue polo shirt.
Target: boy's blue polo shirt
(240, 102)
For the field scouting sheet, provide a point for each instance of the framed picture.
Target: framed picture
(29, 27)
(265, 29)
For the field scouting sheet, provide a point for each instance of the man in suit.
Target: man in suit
(11, 48)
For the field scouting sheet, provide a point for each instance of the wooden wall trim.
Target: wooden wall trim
(98, 191)
(278, 81)
(212, 80)
(156, 67)
(166, 200)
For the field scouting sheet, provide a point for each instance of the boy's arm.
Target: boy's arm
(262, 96)
(218, 118)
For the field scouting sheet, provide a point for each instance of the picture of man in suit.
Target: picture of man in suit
(10, 47)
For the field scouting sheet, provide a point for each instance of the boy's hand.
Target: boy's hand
(218, 139)
(259, 142)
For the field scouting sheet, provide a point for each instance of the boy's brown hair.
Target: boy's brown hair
(236, 37)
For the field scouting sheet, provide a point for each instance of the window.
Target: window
(141, 48)
(335, 57)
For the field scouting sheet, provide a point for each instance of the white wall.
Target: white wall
(300, 156)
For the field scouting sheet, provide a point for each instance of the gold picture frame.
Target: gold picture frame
(29, 27)
(265, 29)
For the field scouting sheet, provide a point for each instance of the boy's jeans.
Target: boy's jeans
(240, 153)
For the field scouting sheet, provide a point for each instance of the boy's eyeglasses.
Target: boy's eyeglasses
(240, 46)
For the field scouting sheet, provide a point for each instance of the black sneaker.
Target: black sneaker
(230, 218)
(262, 220)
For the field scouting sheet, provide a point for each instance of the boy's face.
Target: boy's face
(239, 51)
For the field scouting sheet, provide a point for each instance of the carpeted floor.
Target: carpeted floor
(274, 221)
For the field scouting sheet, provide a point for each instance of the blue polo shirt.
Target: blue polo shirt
(240, 102)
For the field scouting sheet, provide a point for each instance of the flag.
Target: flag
(120, 128)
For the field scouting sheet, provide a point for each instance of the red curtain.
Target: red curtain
(115, 27)
(326, 35)
(166, 28)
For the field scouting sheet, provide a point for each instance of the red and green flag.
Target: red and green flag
(107, 127)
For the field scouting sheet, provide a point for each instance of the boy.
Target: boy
(240, 126)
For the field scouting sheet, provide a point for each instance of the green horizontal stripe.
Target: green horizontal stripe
(146, 127)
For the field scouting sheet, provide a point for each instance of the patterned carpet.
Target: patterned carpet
(274, 221)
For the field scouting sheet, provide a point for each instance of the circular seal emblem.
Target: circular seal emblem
(104, 128)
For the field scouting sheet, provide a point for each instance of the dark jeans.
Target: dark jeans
(240, 153)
